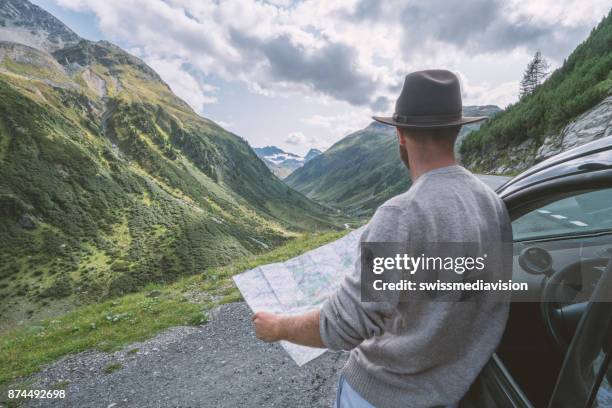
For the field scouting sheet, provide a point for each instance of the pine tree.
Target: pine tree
(535, 73)
(527, 83)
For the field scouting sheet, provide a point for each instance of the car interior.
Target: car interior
(562, 249)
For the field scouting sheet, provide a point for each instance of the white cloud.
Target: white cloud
(356, 51)
(224, 124)
(299, 139)
(183, 84)
(340, 125)
(564, 12)
(484, 93)
(503, 94)
(296, 138)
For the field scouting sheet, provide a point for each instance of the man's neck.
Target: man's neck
(421, 163)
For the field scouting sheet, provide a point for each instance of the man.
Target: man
(415, 354)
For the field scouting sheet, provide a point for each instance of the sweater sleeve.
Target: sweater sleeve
(345, 320)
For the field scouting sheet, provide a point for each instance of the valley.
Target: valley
(109, 181)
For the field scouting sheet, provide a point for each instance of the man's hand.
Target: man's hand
(268, 326)
(302, 329)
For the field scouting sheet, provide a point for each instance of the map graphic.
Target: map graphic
(300, 284)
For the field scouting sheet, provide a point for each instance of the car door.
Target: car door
(585, 377)
(586, 374)
(565, 222)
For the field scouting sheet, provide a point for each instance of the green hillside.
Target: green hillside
(111, 324)
(584, 79)
(362, 170)
(357, 173)
(109, 181)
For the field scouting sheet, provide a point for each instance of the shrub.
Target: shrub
(60, 288)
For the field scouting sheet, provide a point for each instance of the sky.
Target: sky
(304, 74)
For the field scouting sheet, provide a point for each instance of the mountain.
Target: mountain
(312, 153)
(573, 106)
(109, 181)
(280, 162)
(483, 110)
(25, 23)
(357, 173)
(268, 151)
(363, 169)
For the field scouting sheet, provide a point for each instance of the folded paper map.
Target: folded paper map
(300, 284)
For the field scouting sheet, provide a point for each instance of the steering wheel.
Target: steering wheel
(561, 321)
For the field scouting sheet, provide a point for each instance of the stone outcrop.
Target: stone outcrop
(591, 125)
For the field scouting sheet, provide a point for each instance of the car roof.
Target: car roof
(585, 158)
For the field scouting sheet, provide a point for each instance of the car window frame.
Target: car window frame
(532, 197)
(536, 205)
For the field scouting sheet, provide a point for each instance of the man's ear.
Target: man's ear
(400, 137)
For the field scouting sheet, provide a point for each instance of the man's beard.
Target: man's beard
(404, 156)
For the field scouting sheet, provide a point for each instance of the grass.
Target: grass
(61, 385)
(112, 324)
(112, 367)
(43, 68)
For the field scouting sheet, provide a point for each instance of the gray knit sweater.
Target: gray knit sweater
(421, 354)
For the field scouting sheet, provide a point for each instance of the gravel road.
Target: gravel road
(218, 364)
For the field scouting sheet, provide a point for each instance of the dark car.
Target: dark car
(556, 350)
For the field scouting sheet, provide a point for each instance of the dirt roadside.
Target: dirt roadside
(218, 364)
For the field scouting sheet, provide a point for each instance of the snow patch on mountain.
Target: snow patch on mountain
(283, 163)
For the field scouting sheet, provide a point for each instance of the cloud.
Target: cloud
(299, 139)
(329, 69)
(354, 51)
(364, 10)
(224, 124)
(492, 26)
(183, 84)
(339, 125)
(503, 94)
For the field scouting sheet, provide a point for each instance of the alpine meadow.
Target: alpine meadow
(108, 181)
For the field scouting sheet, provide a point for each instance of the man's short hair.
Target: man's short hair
(445, 133)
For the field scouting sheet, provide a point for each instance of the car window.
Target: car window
(582, 213)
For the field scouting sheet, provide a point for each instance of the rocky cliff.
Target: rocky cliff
(591, 125)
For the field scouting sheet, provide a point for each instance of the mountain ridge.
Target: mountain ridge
(283, 163)
(363, 169)
(109, 181)
(311, 154)
(26, 23)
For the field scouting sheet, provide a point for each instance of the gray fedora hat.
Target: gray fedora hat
(429, 99)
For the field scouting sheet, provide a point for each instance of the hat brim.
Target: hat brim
(430, 125)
